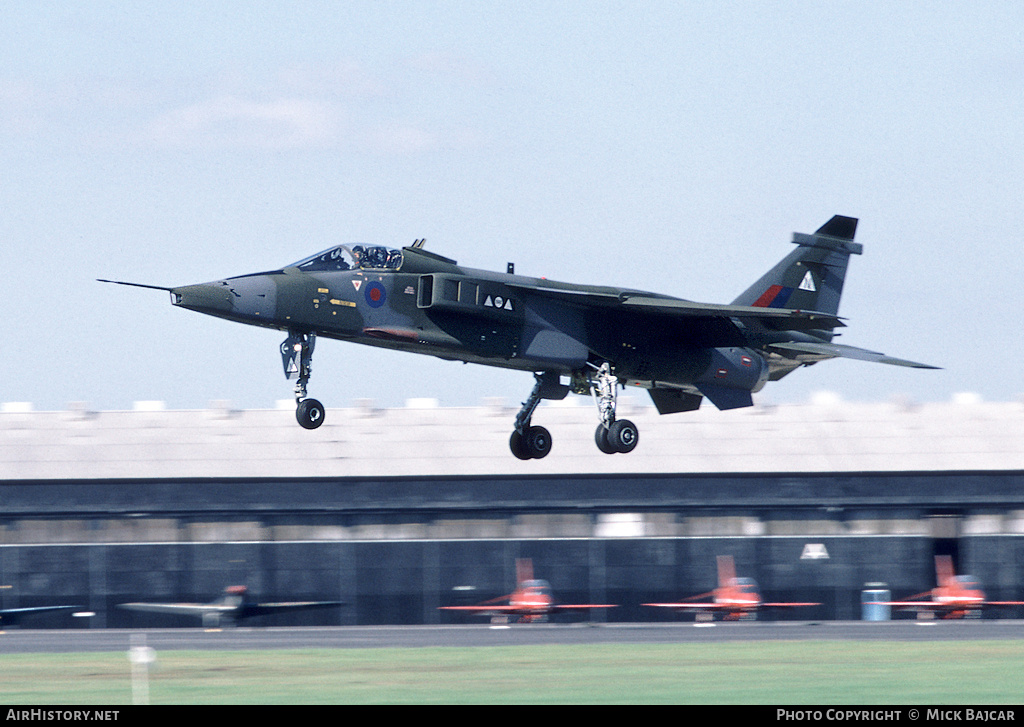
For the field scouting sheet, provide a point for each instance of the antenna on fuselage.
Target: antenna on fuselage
(417, 244)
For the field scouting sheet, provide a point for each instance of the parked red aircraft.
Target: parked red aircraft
(735, 598)
(954, 596)
(530, 601)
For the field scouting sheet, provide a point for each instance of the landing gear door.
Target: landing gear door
(295, 354)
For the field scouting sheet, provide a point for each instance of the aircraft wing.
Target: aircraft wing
(34, 609)
(821, 351)
(781, 319)
(190, 609)
(784, 605)
(775, 318)
(691, 606)
(262, 609)
(13, 615)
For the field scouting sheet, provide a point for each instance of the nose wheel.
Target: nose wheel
(297, 357)
(309, 413)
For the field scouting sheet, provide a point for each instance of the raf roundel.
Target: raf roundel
(375, 294)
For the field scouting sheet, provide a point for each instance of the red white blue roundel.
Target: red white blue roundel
(375, 294)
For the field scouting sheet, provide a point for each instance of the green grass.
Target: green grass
(815, 672)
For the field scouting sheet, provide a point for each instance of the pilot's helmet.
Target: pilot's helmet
(376, 257)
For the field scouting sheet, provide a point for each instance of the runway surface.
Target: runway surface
(356, 637)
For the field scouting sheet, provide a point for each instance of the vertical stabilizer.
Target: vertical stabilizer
(726, 571)
(524, 570)
(811, 277)
(943, 570)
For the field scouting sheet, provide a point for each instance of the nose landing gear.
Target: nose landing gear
(297, 357)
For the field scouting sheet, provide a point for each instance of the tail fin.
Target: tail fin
(726, 570)
(524, 570)
(811, 277)
(944, 572)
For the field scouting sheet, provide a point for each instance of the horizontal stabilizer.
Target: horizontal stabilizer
(835, 350)
(839, 226)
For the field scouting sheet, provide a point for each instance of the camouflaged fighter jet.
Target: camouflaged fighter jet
(579, 338)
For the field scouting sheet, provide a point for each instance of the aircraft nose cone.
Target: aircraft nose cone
(213, 298)
(249, 299)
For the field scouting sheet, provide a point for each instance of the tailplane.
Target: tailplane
(811, 277)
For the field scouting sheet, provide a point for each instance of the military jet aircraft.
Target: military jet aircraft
(735, 599)
(953, 597)
(233, 606)
(531, 601)
(579, 338)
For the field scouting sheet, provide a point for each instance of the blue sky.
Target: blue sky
(666, 146)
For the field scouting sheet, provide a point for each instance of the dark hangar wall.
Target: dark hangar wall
(403, 582)
(397, 548)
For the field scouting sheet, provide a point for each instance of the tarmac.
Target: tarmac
(24, 641)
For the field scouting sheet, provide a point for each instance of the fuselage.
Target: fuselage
(739, 598)
(416, 301)
(958, 596)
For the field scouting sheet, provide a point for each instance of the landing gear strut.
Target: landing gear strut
(297, 357)
(612, 435)
(532, 442)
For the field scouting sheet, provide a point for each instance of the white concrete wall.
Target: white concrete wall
(824, 435)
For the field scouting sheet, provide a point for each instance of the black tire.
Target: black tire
(310, 413)
(623, 435)
(518, 447)
(601, 439)
(537, 442)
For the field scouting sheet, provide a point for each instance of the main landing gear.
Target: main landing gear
(530, 442)
(612, 436)
(297, 357)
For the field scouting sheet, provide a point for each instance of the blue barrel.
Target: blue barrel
(873, 604)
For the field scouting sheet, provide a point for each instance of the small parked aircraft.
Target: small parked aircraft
(531, 601)
(735, 598)
(954, 596)
(229, 609)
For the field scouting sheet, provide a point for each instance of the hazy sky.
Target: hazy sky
(667, 146)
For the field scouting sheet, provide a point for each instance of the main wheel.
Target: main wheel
(623, 435)
(518, 447)
(310, 413)
(535, 444)
(601, 439)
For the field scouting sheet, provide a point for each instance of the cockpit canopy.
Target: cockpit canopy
(969, 583)
(539, 587)
(351, 257)
(745, 585)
